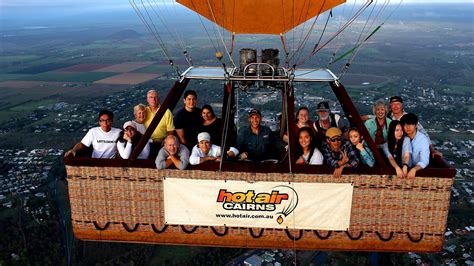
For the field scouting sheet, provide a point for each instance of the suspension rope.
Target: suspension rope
(359, 12)
(205, 29)
(226, 122)
(299, 50)
(355, 51)
(153, 32)
(338, 40)
(220, 34)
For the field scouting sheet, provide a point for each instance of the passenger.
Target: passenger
(360, 146)
(206, 151)
(326, 120)
(129, 139)
(302, 120)
(102, 138)
(306, 151)
(338, 152)
(165, 126)
(378, 125)
(255, 142)
(172, 154)
(420, 145)
(211, 124)
(398, 111)
(394, 146)
(139, 111)
(188, 120)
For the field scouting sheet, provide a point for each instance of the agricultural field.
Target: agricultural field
(85, 77)
(128, 78)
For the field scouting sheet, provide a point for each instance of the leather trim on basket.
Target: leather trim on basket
(226, 229)
(130, 230)
(354, 238)
(383, 238)
(290, 236)
(322, 237)
(159, 231)
(259, 234)
(189, 231)
(415, 240)
(98, 227)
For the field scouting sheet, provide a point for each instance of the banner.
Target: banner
(323, 206)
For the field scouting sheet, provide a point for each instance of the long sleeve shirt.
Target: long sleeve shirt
(366, 155)
(125, 150)
(419, 150)
(183, 154)
(214, 151)
(332, 157)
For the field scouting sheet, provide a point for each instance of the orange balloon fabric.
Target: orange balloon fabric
(259, 16)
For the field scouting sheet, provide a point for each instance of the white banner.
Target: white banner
(324, 206)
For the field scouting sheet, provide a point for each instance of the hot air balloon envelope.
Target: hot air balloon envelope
(259, 16)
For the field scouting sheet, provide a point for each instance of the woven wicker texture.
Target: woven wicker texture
(126, 204)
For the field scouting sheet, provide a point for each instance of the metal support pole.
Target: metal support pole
(169, 103)
(354, 118)
(290, 107)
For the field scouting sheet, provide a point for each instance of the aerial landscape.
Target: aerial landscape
(61, 64)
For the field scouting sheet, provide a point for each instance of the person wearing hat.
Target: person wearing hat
(173, 154)
(338, 152)
(255, 142)
(326, 120)
(206, 151)
(129, 139)
(397, 112)
(101, 139)
(419, 151)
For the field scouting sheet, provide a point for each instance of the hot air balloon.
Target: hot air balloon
(271, 205)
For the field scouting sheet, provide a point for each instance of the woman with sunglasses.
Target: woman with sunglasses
(129, 139)
(306, 151)
(338, 152)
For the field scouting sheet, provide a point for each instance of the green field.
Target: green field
(30, 106)
(459, 90)
(18, 58)
(69, 76)
(4, 77)
(159, 69)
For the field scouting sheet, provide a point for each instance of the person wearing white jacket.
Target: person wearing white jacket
(206, 151)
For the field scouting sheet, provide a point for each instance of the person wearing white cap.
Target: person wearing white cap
(206, 151)
(129, 139)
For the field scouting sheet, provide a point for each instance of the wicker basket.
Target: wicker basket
(388, 214)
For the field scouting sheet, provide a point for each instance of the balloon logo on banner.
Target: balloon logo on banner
(290, 207)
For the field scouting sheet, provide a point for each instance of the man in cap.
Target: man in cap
(419, 149)
(397, 111)
(326, 120)
(172, 154)
(206, 151)
(338, 152)
(102, 139)
(255, 142)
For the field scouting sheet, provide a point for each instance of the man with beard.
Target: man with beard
(326, 120)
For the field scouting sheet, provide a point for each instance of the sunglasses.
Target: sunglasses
(335, 139)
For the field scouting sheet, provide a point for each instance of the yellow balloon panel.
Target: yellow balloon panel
(259, 16)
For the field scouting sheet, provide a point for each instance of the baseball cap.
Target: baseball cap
(204, 136)
(254, 112)
(322, 106)
(333, 132)
(129, 124)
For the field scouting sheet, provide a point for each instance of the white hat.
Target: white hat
(129, 124)
(204, 136)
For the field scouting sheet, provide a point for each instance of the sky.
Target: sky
(56, 3)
